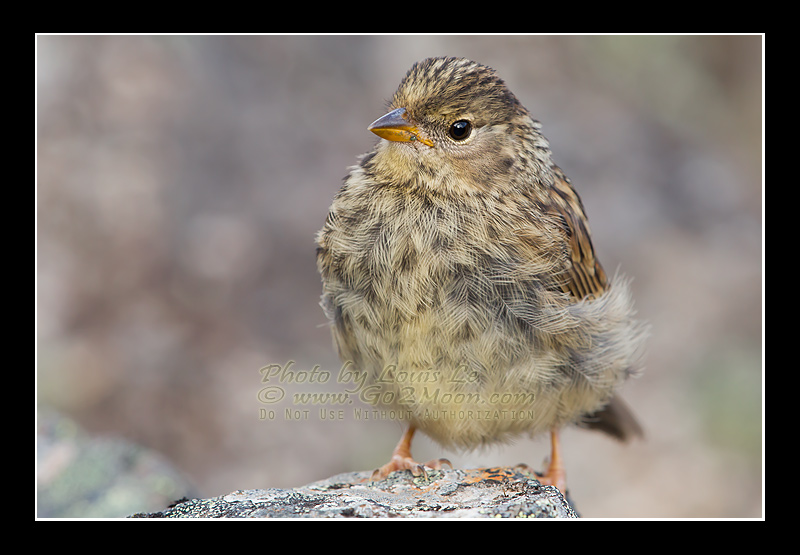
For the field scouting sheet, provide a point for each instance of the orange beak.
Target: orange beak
(395, 126)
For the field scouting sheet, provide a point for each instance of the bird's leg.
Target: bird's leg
(555, 475)
(402, 460)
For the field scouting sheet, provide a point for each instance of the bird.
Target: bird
(459, 276)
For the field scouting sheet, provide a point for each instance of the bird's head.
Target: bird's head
(454, 125)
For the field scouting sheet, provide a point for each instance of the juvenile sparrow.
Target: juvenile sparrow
(459, 274)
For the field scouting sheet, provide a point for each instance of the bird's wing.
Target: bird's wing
(587, 279)
(585, 275)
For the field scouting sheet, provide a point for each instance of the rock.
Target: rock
(83, 476)
(478, 493)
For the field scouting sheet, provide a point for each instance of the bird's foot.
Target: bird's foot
(400, 462)
(554, 477)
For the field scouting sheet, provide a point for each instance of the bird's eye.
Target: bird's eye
(460, 130)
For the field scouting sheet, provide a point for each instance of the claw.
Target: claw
(402, 460)
(555, 474)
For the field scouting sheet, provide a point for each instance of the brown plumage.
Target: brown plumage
(459, 273)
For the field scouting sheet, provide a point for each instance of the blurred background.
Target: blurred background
(182, 179)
